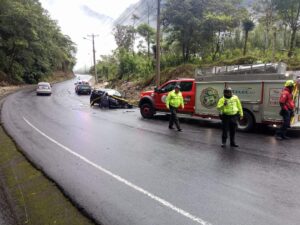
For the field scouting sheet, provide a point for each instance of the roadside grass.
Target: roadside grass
(33, 198)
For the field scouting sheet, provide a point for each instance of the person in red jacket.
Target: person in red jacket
(287, 105)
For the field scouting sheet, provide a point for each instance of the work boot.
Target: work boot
(278, 137)
(234, 145)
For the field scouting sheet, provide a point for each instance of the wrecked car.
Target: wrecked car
(109, 98)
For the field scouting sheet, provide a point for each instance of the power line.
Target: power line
(146, 13)
(145, 5)
(124, 18)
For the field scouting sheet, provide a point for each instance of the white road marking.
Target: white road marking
(124, 181)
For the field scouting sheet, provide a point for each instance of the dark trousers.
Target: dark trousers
(286, 117)
(229, 123)
(174, 118)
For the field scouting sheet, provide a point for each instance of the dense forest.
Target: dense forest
(31, 44)
(206, 33)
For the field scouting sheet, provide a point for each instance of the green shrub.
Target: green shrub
(133, 65)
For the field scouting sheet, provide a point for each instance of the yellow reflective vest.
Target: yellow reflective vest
(233, 106)
(174, 100)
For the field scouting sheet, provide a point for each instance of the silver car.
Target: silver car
(43, 88)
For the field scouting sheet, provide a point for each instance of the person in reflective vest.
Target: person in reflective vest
(174, 100)
(287, 105)
(231, 111)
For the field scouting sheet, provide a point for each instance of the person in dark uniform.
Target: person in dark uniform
(174, 100)
(231, 111)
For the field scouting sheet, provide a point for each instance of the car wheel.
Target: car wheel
(147, 110)
(247, 123)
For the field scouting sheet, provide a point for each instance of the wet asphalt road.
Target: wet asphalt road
(124, 170)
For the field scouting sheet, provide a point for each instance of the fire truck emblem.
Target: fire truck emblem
(209, 97)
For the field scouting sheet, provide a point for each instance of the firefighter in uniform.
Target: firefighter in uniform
(231, 111)
(174, 100)
(287, 105)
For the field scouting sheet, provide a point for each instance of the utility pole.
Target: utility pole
(158, 45)
(148, 35)
(94, 55)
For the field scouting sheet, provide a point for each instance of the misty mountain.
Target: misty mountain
(146, 10)
(91, 13)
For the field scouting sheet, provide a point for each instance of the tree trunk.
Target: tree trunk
(293, 38)
(217, 47)
(13, 55)
(266, 40)
(245, 45)
(183, 51)
(294, 27)
(274, 46)
(187, 54)
(285, 36)
(148, 43)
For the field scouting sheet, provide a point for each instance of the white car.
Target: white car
(43, 88)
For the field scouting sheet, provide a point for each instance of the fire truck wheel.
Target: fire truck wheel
(147, 110)
(247, 123)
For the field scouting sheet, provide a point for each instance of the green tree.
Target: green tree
(248, 25)
(147, 33)
(197, 25)
(183, 19)
(32, 45)
(267, 16)
(124, 37)
(289, 11)
(221, 18)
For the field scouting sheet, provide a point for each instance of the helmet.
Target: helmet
(177, 86)
(289, 83)
(227, 90)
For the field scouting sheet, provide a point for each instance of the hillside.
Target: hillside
(131, 90)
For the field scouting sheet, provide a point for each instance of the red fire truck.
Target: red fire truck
(258, 86)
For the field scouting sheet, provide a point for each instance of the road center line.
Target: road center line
(124, 181)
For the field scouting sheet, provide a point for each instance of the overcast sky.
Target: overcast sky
(78, 18)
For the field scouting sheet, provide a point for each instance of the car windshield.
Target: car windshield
(113, 92)
(84, 87)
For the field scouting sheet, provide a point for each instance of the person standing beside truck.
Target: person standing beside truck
(174, 100)
(231, 111)
(287, 105)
